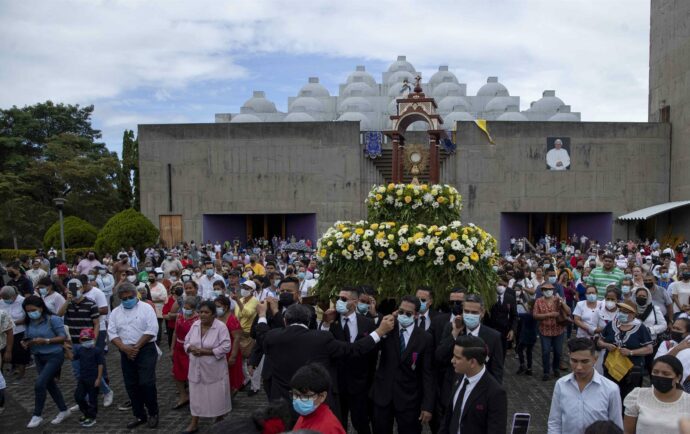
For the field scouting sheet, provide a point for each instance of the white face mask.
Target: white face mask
(132, 278)
(501, 289)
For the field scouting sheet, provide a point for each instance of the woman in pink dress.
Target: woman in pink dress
(227, 316)
(208, 343)
(180, 358)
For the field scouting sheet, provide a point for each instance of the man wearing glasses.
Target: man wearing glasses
(404, 381)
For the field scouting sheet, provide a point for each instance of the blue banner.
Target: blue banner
(373, 144)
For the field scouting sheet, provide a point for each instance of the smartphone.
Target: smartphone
(73, 289)
(521, 423)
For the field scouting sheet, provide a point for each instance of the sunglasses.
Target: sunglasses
(345, 299)
(404, 312)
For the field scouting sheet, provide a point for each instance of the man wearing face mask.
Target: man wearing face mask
(659, 297)
(552, 281)
(171, 263)
(88, 263)
(503, 315)
(426, 313)
(206, 281)
(355, 373)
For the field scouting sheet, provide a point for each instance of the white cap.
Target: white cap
(249, 284)
(158, 270)
(74, 281)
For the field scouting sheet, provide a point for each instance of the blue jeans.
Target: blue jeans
(48, 365)
(75, 370)
(548, 344)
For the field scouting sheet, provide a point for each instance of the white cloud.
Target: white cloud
(595, 54)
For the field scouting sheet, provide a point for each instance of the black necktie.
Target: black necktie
(346, 329)
(422, 322)
(402, 341)
(457, 408)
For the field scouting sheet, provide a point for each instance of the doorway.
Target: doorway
(170, 229)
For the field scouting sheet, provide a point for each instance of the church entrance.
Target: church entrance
(230, 227)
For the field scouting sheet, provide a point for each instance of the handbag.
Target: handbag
(617, 364)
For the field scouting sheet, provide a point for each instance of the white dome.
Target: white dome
(355, 104)
(401, 65)
(452, 104)
(358, 89)
(361, 76)
(447, 89)
(443, 76)
(398, 77)
(313, 88)
(450, 120)
(306, 104)
(258, 104)
(564, 117)
(499, 103)
(244, 118)
(493, 88)
(512, 116)
(547, 104)
(364, 123)
(298, 117)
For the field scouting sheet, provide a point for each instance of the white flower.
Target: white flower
(389, 199)
(435, 205)
(428, 198)
(455, 245)
(368, 233)
(393, 256)
(386, 262)
(366, 245)
(381, 189)
(347, 254)
(439, 251)
(411, 258)
(419, 241)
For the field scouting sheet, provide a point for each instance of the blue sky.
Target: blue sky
(183, 61)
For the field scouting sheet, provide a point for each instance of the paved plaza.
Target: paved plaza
(525, 394)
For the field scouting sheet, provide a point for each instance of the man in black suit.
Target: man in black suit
(468, 323)
(404, 382)
(355, 372)
(479, 403)
(503, 315)
(289, 348)
(426, 313)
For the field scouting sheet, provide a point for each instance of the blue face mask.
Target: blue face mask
(552, 279)
(341, 306)
(88, 344)
(591, 297)
(128, 304)
(471, 320)
(276, 283)
(622, 317)
(188, 312)
(362, 308)
(8, 301)
(625, 289)
(43, 291)
(405, 321)
(301, 275)
(423, 307)
(35, 314)
(209, 272)
(303, 407)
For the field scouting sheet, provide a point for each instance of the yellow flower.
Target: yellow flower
(420, 252)
(399, 192)
(431, 246)
(391, 187)
(451, 258)
(405, 247)
(382, 255)
(350, 247)
(441, 199)
(347, 235)
(437, 233)
(424, 187)
(330, 243)
(323, 253)
(465, 259)
(390, 237)
(453, 236)
(374, 226)
(474, 256)
(380, 235)
(418, 235)
(359, 231)
(379, 197)
(408, 199)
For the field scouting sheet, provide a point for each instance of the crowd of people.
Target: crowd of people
(243, 318)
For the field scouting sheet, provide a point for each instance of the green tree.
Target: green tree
(45, 148)
(124, 229)
(129, 187)
(78, 233)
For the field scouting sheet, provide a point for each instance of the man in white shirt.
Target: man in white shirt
(36, 273)
(132, 329)
(558, 158)
(583, 396)
(205, 282)
(171, 264)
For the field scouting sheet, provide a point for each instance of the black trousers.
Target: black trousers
(140, 381)
(86, 396)
(408, 421)
(356, 405)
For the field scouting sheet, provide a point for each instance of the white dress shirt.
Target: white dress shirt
(131, 324)
(351, 324)
(206, 285)
(407, 334)
(573, 411)
(427, 319)
(470, 386)
(97, 296)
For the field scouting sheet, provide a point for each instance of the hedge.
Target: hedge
(78, 233)
(125, 229)
(8, 255)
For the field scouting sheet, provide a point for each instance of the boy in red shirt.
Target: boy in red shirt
(310, 386)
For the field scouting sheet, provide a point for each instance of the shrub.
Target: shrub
(78, 233)
(124, 229)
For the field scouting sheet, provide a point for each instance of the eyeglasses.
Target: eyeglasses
(404, 312)
(303, 396)
(343, 298)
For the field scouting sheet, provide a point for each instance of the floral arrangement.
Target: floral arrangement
(411, 203)
(421, 242)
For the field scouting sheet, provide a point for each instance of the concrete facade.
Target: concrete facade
(615, 168)
(669, 86)
(253, 168)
